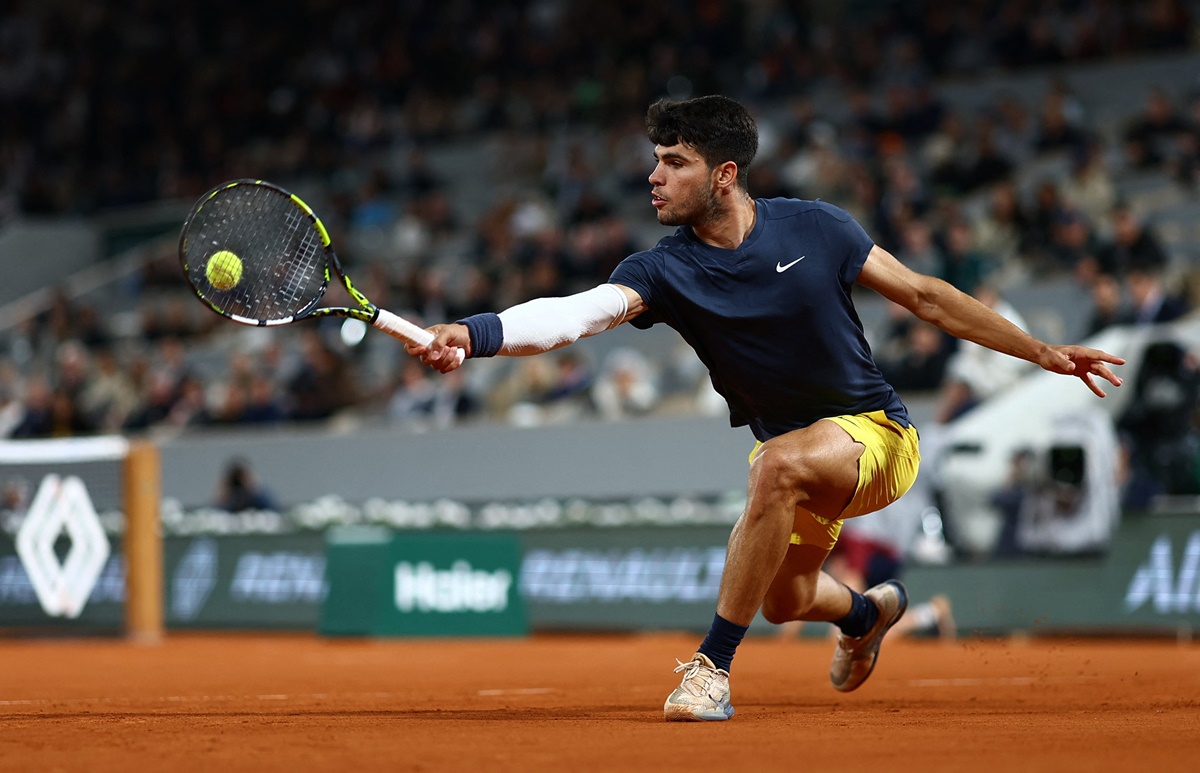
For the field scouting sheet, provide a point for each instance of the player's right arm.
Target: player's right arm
(533, 327)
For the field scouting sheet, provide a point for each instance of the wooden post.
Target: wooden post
(143, 544)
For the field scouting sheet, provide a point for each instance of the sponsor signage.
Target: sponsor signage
(243, 581)
(1148, 580)
(454, 584)
(379, 582)
(620, 579)
(20, 606)
(1168, 581)
(62, 508)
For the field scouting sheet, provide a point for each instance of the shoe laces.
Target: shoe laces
(697, 676)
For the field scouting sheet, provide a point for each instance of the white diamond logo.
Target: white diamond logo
(62, 505)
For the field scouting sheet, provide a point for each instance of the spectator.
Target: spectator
(626, 385)
(989, 164)
(922, 364)
(1133, 246)
(1038, 239)
(239, 489)
(262, 405)
(975, 373)
(962, 265)
(35, 420)
(414, 401)
(1106, 303)
(1151, 304)
(1073, 248)
(11, 412)
(1056, 131)
(1150, 138)
(321, 386)
(1090, 187)
(109, 396)
(999, 230)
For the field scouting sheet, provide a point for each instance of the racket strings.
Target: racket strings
(282, 254)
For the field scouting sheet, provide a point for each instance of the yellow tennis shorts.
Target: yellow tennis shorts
(886, 470)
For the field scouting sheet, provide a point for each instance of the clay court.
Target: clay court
(298, 702)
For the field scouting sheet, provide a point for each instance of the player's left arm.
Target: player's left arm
(962, 316)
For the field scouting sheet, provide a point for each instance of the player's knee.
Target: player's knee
(780, 608)
(772, 613)
(786, 470)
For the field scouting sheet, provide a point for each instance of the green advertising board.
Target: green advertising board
(1148, 581)
(260, 581)
(422, 584)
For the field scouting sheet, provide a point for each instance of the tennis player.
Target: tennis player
(762, 290)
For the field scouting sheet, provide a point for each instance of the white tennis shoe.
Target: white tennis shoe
(702, 695)
(854, 657)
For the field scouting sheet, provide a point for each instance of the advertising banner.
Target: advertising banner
(379, 581)
(1149, 580)
(244, 581)
(99, 608)
(406, 584)
(621, 579)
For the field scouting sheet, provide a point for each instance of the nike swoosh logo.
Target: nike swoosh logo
(780, 268)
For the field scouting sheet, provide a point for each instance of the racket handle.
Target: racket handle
(401, 328)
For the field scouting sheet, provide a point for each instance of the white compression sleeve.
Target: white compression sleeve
(548, 323)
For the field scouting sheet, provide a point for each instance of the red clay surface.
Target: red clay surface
(582, 703)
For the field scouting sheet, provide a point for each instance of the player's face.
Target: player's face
(682, 191)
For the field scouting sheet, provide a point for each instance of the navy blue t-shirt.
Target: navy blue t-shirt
(773, 320)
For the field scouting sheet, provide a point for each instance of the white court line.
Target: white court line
(519, 691)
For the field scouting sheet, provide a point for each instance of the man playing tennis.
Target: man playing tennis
(761, 289)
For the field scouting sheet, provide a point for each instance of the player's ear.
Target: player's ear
(725, 175)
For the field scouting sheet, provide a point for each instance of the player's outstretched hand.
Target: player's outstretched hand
(439, 354)
(1083, 362)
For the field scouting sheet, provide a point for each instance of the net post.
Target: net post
(143, 544)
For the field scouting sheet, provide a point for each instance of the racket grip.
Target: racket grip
(401, 328)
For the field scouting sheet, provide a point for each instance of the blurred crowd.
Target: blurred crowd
(105, 107)
(109, 104)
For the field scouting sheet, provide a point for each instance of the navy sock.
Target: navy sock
(862, 617)
(722, 640)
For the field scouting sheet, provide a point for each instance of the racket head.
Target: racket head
(283, 249)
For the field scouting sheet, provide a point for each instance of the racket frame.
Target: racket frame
(392, 324)
(367, 311)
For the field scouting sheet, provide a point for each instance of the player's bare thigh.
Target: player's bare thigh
(816, 466)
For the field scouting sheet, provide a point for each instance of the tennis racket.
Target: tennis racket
(256, 254)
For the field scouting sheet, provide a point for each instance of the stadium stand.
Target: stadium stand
(1006, 144)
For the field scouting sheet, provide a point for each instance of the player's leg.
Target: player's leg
(815, 467)
(801, 590)
(887, 469)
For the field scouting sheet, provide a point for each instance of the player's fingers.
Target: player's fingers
(444, 337)
(447, 363)
(1103, 356)
(1092, 385)
(1104, 372)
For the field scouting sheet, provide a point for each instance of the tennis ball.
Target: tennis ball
(224, 270)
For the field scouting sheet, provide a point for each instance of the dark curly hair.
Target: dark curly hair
(717, 127)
